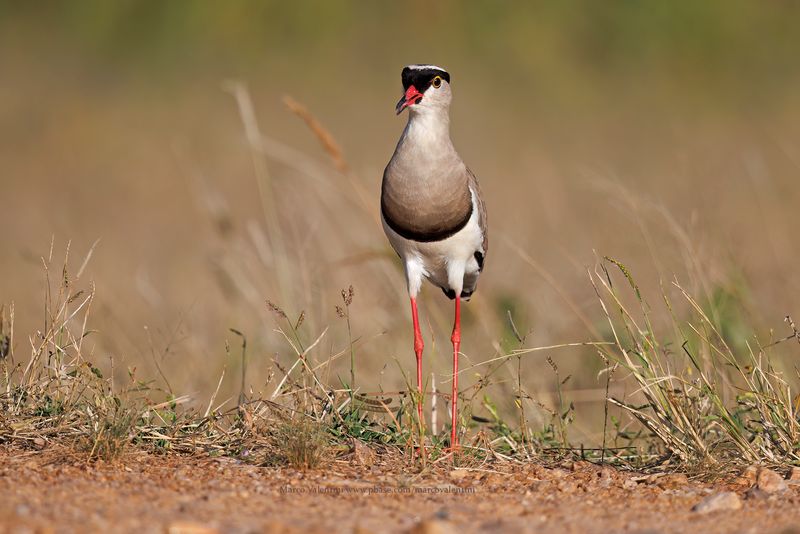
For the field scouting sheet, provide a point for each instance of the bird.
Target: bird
(432, 210)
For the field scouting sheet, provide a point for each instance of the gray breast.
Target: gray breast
(428, 206)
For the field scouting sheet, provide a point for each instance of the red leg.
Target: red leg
(418, 346)
(456, 339)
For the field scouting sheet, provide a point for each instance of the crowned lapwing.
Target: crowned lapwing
(431, 208)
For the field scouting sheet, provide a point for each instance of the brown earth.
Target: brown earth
(54, 491)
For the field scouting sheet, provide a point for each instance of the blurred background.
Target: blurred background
(665, 135)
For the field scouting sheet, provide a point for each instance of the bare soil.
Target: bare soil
(53, 490)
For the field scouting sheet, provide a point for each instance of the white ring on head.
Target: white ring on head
(424, 67)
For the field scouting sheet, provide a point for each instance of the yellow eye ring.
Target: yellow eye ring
(436, 82)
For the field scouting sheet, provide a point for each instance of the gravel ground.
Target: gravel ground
(54, 491)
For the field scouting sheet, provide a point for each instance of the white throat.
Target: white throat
(428, 126)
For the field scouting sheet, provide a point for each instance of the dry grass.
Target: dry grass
(549, 370)
(698, 399)
(700, 406)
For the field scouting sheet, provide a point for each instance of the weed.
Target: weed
(704, 403)
(344, 312)
(295, 441)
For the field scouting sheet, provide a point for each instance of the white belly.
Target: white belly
(449, 263)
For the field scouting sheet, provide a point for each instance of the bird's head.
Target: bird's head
(425, 88)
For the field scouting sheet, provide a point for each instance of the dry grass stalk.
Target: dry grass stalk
(684, 394)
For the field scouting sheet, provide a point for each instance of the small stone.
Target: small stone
(673, 481)
(433, 527)
(540, 486)
(794, 474)
(457, 475)
(750, 473)
(726, 500)
(630, 484)
(581, 466)
(606, 477)
(442, 513)
(567, 486)
(556, 473)
(755, 494)
(769, 481)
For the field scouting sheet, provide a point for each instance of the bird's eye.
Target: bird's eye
(437, 82)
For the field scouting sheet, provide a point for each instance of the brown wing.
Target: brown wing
(475, 186)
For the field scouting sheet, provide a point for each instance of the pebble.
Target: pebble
(750, 473)
(568, 486)
(630, 484)
(754, 494)
(794, 475)
(457, 475)
(673, 481)
(769, 481)
(581, 466)
(726, 500)
(605, 477)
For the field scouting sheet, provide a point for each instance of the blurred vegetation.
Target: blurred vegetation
(738, 49)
